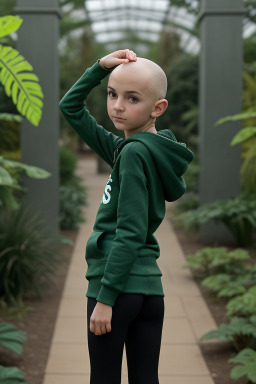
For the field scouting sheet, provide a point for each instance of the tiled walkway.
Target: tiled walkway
(186, 314)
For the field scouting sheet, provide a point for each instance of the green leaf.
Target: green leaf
(243, 135)
(247, 357)
(7, 199)
(5, 177)
(240, 116)
(10, 117)
(11, 375)
(12, 338)
(9, 24)
(32, 171)
(25, 94)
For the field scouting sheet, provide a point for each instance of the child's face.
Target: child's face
(130, 101)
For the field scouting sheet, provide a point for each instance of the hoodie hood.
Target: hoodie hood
(171, 159)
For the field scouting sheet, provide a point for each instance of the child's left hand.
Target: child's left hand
(100, 321)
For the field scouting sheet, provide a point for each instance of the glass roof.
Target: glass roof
(135, 24)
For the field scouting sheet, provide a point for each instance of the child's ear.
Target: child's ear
(159, 108)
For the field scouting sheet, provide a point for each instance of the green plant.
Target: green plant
(71, 202)
(10, 171)
(238, 215)
(28, 254)
(241, 332)
(68, 161)
(243, 305)
(217, 260)
(19, 83)
(11, 375)
(224, 285)
(177, 212)
(12, 338)
(246, 357)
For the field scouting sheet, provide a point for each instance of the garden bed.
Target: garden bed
(216, 355)
(39, 324)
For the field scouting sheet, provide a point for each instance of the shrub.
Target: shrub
(241, 332)
(217, 260)
(71, 202)
(68, 161)
(28, 254)
(239, 215)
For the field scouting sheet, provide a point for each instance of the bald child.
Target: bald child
(125, 297)
(136, 92)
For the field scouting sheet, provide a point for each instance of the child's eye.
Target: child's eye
(133, 99)
(111, 94)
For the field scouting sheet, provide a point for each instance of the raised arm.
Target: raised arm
(74, 110)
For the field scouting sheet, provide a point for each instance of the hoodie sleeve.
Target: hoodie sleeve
(132, 227)
(75, 112)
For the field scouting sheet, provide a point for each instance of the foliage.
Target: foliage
(28, 254)
(11, 338)
(238, 215)
(241, 332)
(68, 161)
(227, 285)
(72, 193)
(11, 375)
(247, 135)
(247, 357)
(211, 260)
(243, 305)
(16, 77)
(10, 172)
(187, 202)
(71, 202)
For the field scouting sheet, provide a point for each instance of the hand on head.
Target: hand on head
(118, 57)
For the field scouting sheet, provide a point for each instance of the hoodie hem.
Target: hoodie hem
(147, 285)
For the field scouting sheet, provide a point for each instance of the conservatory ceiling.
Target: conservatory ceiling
(138, 23)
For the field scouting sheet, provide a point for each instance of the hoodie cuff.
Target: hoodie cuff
(98, 72)
(107, 295)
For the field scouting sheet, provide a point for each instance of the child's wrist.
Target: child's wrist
(103, 66)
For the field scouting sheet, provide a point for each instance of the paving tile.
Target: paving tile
(182, 360)
(73, 306)
(70, 330)
(177, 331)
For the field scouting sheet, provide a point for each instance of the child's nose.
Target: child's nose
(118, 105)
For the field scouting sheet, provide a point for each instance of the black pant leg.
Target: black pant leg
(143, 342)
(106, 350)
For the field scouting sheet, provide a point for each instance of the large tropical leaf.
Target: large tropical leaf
(11, 375)
(9, 24)
(23, 87)
(12, 338)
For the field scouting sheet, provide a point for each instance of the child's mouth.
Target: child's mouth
(119, 119)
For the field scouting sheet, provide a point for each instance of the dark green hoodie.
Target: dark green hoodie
(147, 168)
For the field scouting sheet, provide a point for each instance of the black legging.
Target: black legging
(137, 322)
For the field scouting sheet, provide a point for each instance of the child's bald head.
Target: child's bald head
(136, 96)
(146, 74)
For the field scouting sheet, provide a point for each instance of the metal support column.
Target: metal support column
(220, 95)
(38, 39)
